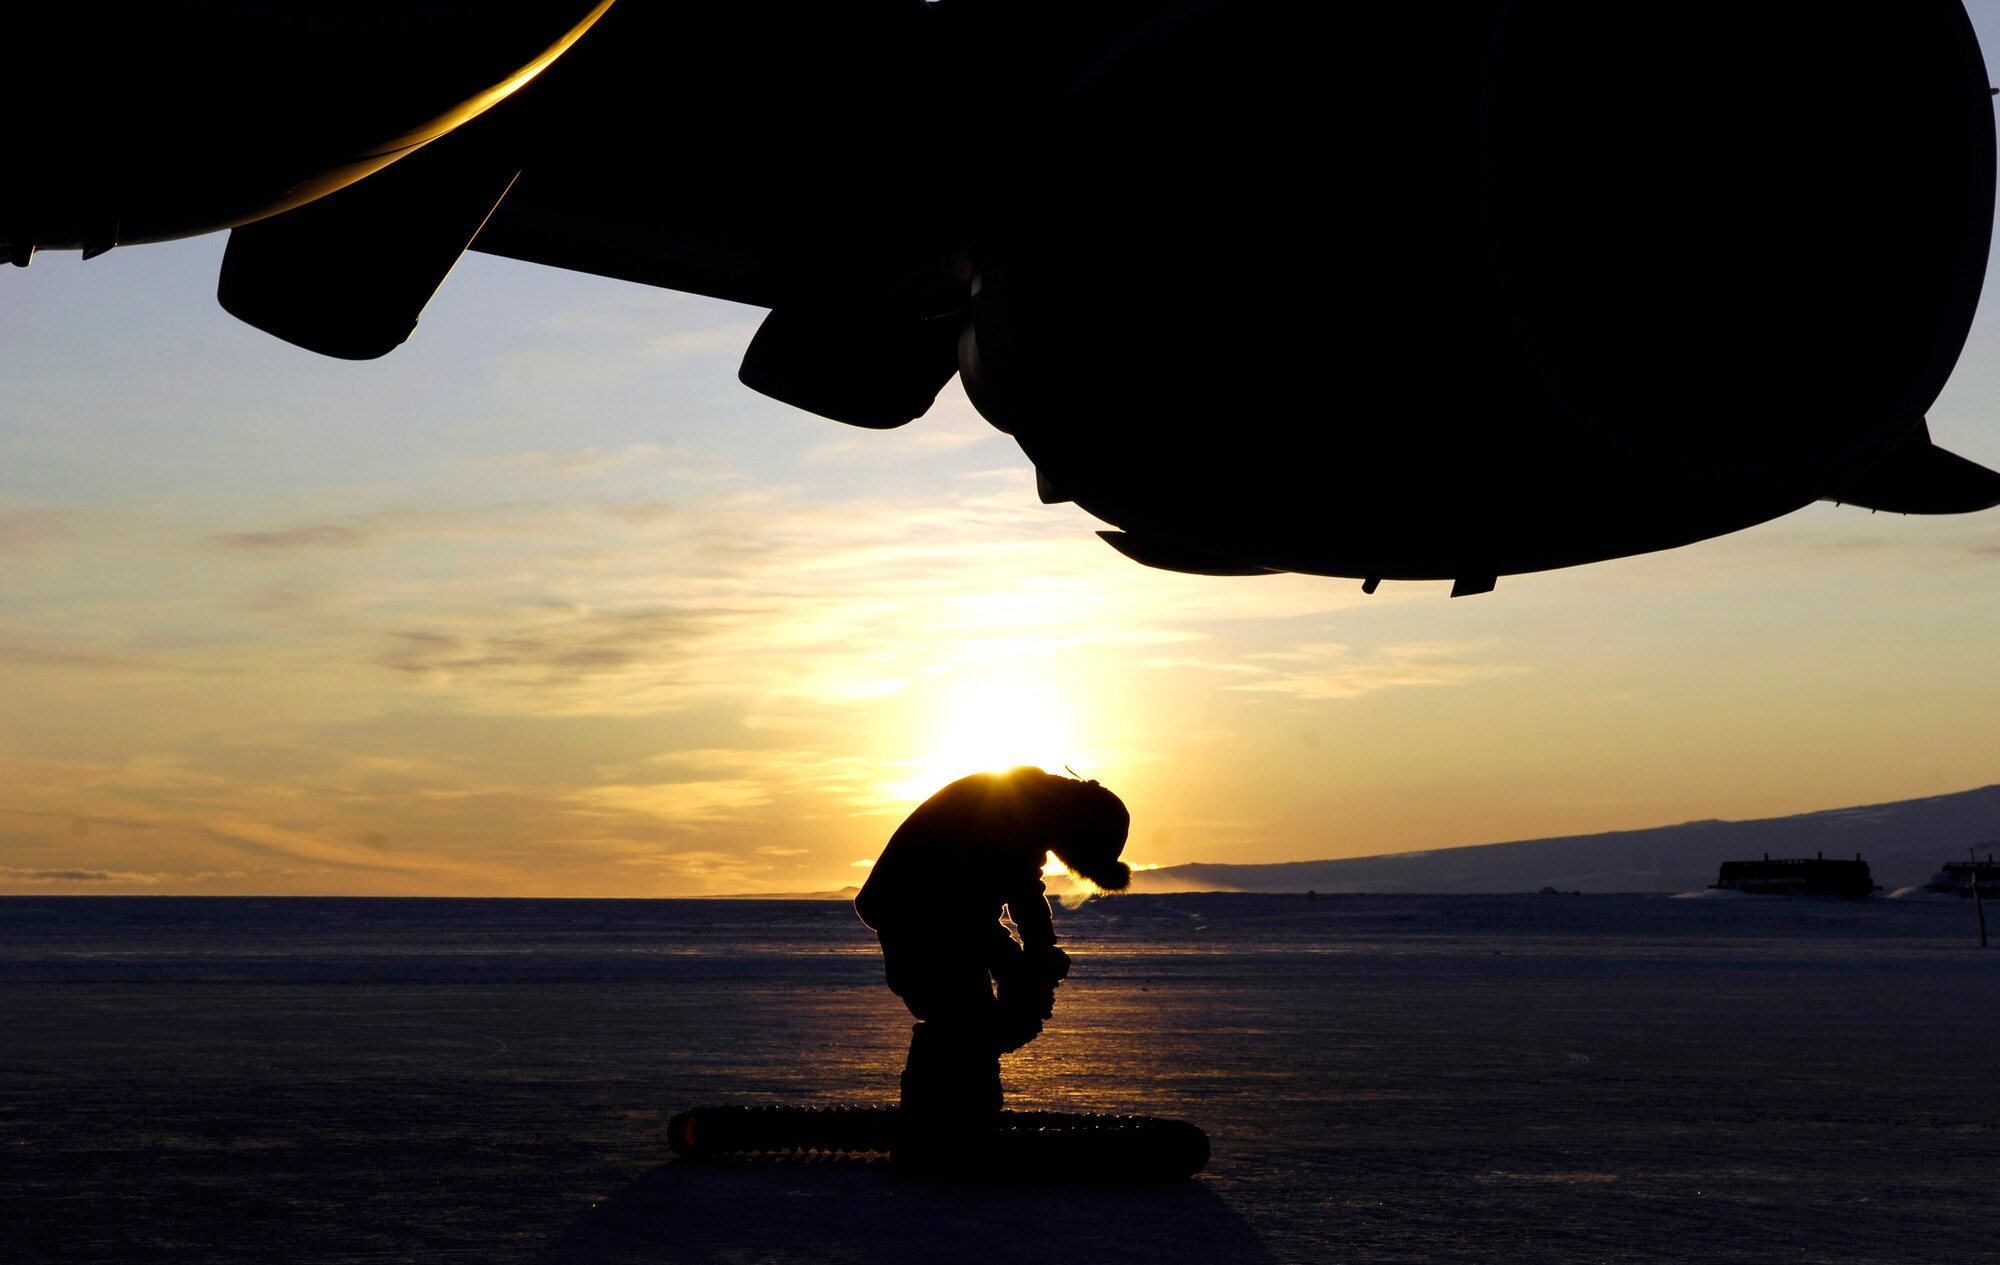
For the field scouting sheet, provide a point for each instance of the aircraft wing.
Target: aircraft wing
(537, 224)
(1389, 292)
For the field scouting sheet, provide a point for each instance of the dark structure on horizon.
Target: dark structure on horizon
(1798, 876)
(1968, 879)
(1383, 292)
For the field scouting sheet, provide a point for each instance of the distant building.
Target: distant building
(1962, 878)
(1798, 876)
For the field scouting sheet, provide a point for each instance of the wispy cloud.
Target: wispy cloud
(12, 876)
(312, 536)
(915, 443)
(9, 874)
(635, 465)
(83, 659)
(23, 529)
(809, 781)
(679, 802)
(1329, 670)
(710, 870)
(226, 823)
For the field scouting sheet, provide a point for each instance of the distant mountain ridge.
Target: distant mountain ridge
(1904, 843)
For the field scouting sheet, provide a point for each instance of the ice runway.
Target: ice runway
(1383, 1079)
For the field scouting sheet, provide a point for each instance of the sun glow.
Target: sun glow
(990, 724)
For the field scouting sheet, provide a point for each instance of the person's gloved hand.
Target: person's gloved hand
(1027, 995)
(1013, 1029)
(1050, 964)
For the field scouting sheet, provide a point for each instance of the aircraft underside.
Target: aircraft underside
(1411, 294)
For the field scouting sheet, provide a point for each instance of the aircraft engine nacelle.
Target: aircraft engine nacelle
(138, 122)
(1429, 293)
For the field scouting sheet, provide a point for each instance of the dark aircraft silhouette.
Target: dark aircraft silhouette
(1399, 291)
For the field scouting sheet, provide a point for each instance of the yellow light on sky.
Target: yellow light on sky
(991, 722)
(546, 603)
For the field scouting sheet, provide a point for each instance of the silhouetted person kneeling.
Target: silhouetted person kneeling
(934, 898)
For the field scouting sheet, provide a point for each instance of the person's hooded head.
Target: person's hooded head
(1087, 827)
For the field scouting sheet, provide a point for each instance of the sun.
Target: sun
(988, 724)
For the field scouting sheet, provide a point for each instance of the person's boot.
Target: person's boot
(951, 1096)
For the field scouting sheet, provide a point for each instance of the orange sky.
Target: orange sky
(545, 603)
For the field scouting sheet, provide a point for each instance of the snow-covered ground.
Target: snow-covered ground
(1538, 1078)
